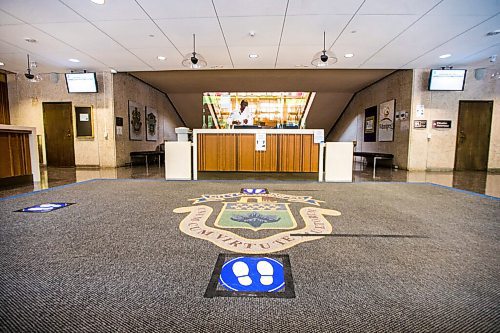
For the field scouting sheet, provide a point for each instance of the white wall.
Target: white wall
(438, 152)
(25, 102)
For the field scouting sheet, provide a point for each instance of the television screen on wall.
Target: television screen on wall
(81, 82)
(447, 79)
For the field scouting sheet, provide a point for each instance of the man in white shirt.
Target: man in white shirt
(241, 116)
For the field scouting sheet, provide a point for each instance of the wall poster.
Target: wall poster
(151, 124)
(386, 121)
(135, 121)
(370, 134)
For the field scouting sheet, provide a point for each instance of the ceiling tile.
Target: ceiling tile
(111, 10)
(160, 9)
(109, 58)
(308, 29)
(414, 42)
(150, 57)
(467, 7)
(134, 33)
(250, 8)
(180, 32)
(16, 35)
(237, 30)
(396, 7)
(266, 59)
(36, 11)
(6, 19)
(323, 7)
(372, 32)
(81, 35)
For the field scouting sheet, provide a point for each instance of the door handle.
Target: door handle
(68, 133)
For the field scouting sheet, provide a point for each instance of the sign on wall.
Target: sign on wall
(370, 134)
(386, 121)
(441, 124)
(420, 124)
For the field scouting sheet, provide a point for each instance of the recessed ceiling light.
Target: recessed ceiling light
(30, 40)
(349, 55)
(444, 56)
(99, 2)
(253, 56)
(74, 60)
(161, 58)
(2, 64)
(113, 71)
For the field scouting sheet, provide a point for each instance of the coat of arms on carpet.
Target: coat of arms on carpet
(263, 212)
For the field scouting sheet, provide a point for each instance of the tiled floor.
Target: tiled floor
(474, 181)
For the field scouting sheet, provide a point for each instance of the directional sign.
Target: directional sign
(45, 208)
(252, 274)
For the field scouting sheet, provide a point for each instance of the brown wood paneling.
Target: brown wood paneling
(4, 100)
(6, 160)
(473, 135)
(236, 152)
(59, 140)
(15, 159)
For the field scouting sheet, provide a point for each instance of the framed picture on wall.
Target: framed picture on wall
(151, 124)
(135, 121)
(386, 121)
(370, 130)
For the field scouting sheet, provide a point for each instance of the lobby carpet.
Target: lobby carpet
(401, 257)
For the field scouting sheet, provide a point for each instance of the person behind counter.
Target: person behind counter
(241, 116)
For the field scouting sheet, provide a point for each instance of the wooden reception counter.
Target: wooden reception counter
(286, 150)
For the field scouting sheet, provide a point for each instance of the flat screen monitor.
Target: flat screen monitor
(447, 79)
(81, 82)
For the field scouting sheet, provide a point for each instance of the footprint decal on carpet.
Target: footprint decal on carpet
(266, 271)
(240, 270)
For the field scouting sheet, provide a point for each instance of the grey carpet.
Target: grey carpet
(117, 262)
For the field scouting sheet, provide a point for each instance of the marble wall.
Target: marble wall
(26, 109)
(431, 149)
(127, 88)
(350, 127)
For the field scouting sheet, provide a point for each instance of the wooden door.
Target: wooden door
(473, 135)
(59, 141)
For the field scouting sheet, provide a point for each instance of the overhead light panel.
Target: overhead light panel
(253, 56)
(74, 60)
(99, 2)
(162, 58)
(348, 55)
(444, 56)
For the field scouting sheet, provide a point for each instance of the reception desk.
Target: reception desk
(19, 161)
(235, 150)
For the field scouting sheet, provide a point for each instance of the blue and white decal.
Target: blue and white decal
(45, 208)
(252, 274)
(254, 191)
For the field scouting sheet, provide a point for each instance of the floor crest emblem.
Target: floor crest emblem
(267, 215)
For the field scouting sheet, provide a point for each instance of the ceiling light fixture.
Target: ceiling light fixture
(162, 58)
(99, 2)
(193, 59)
(74, 60)
(444, 56)
(2, 64)
(324, 58)
(30, 40)
(113, 71)
(253, 56)
(349, 55)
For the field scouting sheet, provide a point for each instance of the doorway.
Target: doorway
(473, 135)
(59, 140)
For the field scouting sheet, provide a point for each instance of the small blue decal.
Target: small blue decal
(254, 191)
(252, 274)
(45, 208)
